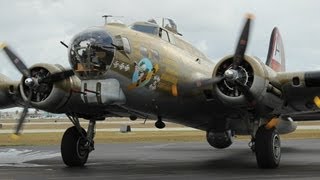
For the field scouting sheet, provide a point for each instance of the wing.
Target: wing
(301, 92)
(306, 116)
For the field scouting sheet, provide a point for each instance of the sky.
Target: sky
(34, 28)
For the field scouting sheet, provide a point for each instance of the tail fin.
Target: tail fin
(276, 57)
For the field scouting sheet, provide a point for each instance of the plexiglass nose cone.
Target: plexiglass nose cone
(91, 53)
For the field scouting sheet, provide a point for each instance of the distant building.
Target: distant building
(32, 114)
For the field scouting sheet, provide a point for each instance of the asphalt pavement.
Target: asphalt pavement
(178, 160)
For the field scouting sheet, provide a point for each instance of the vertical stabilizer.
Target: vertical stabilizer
(276, 57)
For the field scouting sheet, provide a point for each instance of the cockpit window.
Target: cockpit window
(172, 39)
(91, 53)
(145, 28)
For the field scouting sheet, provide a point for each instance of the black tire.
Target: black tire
(160, 124)
(219, 140)
(72, 148)
(267, 148)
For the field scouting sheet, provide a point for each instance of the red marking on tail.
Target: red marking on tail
(276, 56)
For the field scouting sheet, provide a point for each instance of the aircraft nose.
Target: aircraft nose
(91, 53)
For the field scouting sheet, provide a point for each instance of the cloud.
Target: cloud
(34, 28)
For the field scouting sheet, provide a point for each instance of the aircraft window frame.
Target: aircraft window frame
(126, 45)
(172, 38)
(161, 34)
(91, 53)
(145, 29)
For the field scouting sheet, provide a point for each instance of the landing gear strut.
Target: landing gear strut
(159, 123)
(267, 148)
(76, 143)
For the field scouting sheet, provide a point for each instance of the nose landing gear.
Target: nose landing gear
(74, 149)
(76, 143)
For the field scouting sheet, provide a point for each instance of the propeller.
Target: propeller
(204, 82)
(235, 75)
(23, 116)
(55, 77)
(242, 43)
(247, 93)
(31, 82)
(232, 75)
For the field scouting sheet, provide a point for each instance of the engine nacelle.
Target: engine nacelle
(9, 93)
(252, 73)
(220, 140)
(286, 125)
(49, 96)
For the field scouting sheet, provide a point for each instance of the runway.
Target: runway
(179, 160)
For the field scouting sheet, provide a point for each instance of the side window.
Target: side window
(126, 45)
(164, 35)
(172, 39)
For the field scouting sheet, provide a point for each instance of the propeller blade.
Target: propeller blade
(246, 92)
(201, 83)
(16, 61)
(21, 121)
(57, 76)
(242, 43)
(23, 115)
(210, 81)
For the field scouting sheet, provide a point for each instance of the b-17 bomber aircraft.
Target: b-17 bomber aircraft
(147, 70)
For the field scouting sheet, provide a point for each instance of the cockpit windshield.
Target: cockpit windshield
(166, 23)
(146, 28)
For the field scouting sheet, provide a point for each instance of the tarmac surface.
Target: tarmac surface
(179, 160)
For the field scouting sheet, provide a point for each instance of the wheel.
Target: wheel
(73, 147)
(160, 124)
(219, 140)
(267, 148)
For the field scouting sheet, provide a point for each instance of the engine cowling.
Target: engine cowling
(9, 93)
(48, 96)
(220, 140)
(252, 73)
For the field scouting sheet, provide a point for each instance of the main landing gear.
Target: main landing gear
(267, 147)
(76, 143)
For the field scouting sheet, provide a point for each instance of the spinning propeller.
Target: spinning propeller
(232, 75)
(32, 82)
